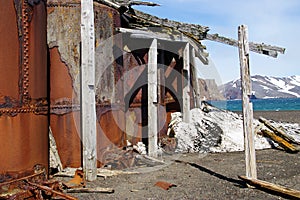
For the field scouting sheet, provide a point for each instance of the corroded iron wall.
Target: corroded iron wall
(23, 85)
(64, 43)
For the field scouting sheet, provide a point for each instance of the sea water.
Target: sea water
(274, 104)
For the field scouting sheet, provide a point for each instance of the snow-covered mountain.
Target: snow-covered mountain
(265, 87)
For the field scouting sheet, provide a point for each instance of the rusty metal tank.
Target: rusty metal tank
(64, 46)
(23, 85)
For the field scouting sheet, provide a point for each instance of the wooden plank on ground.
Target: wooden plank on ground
(279, 140)
(91, 190)
(272, 187)
(277, 131)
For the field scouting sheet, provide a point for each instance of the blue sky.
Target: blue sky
(274, 22)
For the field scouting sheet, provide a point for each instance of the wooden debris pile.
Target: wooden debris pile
(278, 135)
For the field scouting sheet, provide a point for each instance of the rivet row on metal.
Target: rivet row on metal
(25, 66)
(56, 109)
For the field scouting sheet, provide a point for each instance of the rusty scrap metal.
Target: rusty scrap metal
(50, 190)
(31, 186)
(77, 181)
(164, 185)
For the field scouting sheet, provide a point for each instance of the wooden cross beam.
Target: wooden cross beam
(257, 48)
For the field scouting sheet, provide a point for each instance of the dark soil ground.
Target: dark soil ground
(210, 176)
(207, 176)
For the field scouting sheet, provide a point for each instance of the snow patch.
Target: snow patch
(277, 82)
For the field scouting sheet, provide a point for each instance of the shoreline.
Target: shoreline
(292, 116)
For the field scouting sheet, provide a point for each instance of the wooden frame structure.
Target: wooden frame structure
(190, 35)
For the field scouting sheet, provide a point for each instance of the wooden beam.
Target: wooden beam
(284, 191)
(186, 84)
(194, 31)
(164, 35)
(255, 47)
(247, 105)
(88, 106)
(152, 100)
(195, 80)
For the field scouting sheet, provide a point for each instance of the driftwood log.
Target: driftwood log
(278, 132)
(280, 141)
(284, 191)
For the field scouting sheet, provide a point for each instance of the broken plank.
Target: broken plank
(91, 190)
(277, 131)
(272, 187)
(280, 141)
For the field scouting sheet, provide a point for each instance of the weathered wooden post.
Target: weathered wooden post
(186, 84)
(88, 106)
(247, 105)
(195, 80)
(152, 100)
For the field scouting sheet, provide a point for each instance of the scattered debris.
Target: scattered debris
(51, 191)
(101, 172)
(165, 185)
(284, 191)
(33, 185)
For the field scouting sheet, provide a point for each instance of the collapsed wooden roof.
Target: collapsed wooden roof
(139, 20)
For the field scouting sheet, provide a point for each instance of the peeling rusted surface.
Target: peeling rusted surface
(23, 85)
(64, 42)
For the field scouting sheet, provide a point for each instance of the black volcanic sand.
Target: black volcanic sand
(279, 116)
(209, 176)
